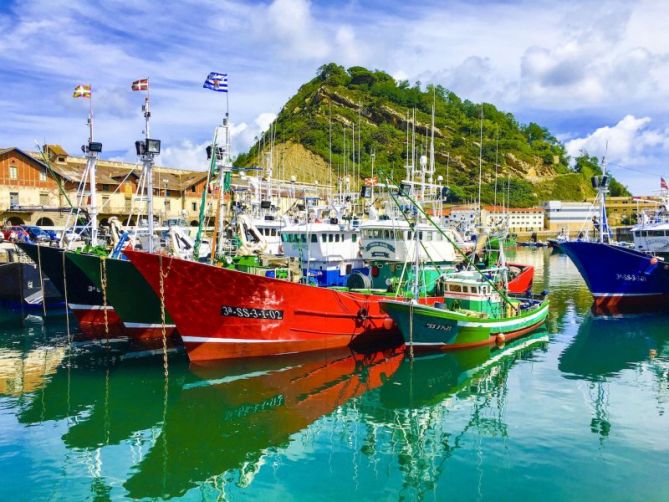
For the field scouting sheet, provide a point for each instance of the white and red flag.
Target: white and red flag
(141, 85)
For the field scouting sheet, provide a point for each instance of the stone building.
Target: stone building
(36, 192)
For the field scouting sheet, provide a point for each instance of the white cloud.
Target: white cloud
(264, 120)
(625, 143)
(291, 23)
(191, 155)
(186, 155)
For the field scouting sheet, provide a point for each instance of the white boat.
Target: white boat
(329, 251)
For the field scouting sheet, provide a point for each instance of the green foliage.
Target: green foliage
(378, 105)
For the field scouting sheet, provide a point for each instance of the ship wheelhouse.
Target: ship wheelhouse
(328, 252)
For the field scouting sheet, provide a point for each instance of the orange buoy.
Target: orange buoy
(500, 339)
(388, 324)
(653, 260)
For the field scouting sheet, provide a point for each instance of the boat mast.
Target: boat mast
(480, 168)
(603, 188)
(92, 159)
(221, 158)
(148, 161)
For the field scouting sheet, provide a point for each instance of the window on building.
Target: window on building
(192, 189)
(167, 205)
(336, 237)
(13, 172)
(13, 199)
(314, 238)
(105, 201)
(331, 238)
(42, 175)
(43, 199)
(194, 205)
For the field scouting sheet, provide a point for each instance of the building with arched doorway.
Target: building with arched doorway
(37, 189)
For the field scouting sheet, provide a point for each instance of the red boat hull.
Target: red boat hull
(522, 283)
(223, 314)
(94, 315)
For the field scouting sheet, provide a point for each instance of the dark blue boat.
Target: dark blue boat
(23, 292)
(620, 279)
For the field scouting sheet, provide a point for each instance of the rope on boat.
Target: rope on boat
(162, 277)
(41, 281)
(67, 305)
(163, 330)
(103, 283)
(411, 330)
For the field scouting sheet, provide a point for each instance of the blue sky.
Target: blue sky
(594, 73)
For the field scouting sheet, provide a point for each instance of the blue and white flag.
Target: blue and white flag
(217, 82)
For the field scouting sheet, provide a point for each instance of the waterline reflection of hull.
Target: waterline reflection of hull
(228, 417)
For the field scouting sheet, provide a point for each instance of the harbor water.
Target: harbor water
(576, 411)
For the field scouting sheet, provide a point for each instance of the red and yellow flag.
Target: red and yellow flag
(82, 91)
(141, 85)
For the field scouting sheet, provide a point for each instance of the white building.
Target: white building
(569, 216)
(520, 219)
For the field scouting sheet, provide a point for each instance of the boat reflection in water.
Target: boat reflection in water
(605, 347)
(142, 435)
(27, 358)
(414, 408)
(231, 413)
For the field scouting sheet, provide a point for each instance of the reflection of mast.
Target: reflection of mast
(415, 408)
(600, 424)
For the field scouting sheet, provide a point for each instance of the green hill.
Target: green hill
(328, 107)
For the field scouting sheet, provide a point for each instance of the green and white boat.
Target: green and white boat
(475, 311)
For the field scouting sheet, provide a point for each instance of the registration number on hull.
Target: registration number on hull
(438, 327)
(251, 313)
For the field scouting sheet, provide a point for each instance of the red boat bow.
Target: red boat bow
(222, 313)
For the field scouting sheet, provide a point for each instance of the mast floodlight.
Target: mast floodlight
(153, 146)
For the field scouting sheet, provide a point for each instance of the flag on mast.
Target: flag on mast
(663, 184)
(82, 91)
(141, 85)
(216, 82)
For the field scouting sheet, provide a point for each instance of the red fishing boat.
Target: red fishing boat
(222, 313)
(521, 278)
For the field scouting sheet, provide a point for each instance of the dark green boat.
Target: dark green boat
(134, 301)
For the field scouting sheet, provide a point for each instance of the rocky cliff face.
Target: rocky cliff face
(356, 115)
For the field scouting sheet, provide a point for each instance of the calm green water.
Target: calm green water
(577, 411)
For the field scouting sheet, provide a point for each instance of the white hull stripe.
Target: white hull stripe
(500, 324)
(79, 306)
(143, 325)
(621, 295)
(204, 339)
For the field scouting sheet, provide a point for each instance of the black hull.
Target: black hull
(80, 289)
(20, 290)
